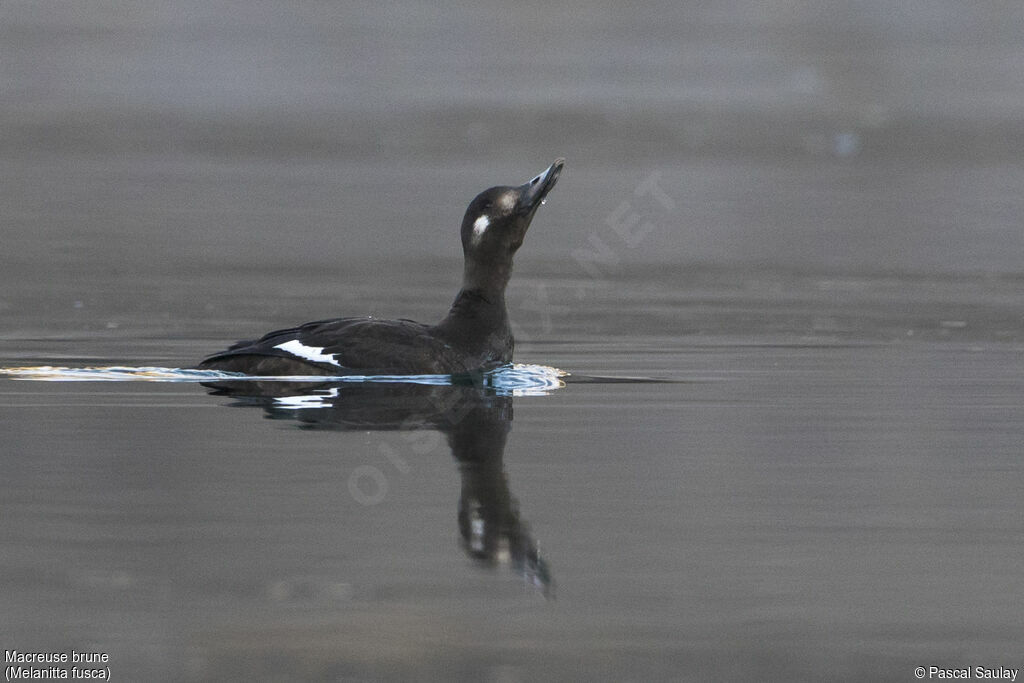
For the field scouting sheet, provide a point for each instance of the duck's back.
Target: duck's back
(340, 347)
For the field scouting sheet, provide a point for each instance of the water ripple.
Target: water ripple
(514, 379)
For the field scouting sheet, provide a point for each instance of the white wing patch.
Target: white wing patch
(311, 353)
(480, 227)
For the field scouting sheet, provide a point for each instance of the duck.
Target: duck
(474, 336)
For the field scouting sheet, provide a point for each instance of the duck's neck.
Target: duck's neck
(489, 278)
(475, 314)
(478, 312)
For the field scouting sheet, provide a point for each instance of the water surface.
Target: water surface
(819, 487)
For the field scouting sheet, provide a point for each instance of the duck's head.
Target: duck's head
(496, 222)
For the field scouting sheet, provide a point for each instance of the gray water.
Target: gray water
(803, 219)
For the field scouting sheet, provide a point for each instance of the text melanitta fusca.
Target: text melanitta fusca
(474, 335)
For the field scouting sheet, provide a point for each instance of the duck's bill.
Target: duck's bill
(534, 191)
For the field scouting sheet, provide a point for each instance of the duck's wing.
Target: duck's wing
(347, 345)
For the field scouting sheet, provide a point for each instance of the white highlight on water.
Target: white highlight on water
(476, 532)
(313, 353)
(318, 400)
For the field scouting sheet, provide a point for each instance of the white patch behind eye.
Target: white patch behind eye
(311, 353)
(480, 226)
(507, 201)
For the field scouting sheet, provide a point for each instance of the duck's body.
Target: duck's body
(473, 336)
(381, 347)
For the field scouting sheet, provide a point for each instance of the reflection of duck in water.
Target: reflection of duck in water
(475, 334)
(476, 422)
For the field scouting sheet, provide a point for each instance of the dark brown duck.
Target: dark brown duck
(475, 335)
